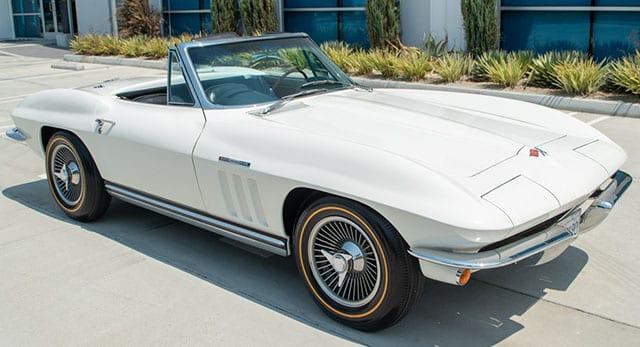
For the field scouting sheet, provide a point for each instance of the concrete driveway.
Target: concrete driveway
(138, 278)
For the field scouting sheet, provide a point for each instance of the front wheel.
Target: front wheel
(73, 178)
(355, 264)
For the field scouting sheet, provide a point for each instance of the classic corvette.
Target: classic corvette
(265, 141)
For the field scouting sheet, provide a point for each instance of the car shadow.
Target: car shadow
(478, 314)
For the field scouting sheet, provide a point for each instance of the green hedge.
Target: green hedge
(573, 72)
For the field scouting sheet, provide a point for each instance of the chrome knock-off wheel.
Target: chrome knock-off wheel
(74, 179)
(66, 175)
(355, 264)
(344, 261)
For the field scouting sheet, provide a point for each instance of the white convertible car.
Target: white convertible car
(265, 141)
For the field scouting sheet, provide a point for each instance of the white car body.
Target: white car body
(453, 173)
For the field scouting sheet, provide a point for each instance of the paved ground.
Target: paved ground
(136, 277)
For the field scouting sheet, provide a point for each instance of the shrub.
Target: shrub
(583, 77)
(383, 23)
(383, 61)
(506, 69)
(136, 17)
(451, 67)
(339, 52)
(433, 48)
(155, 48)
(625, 73)
(223, 16)
(414, 65)
(543, 67)
(360, 63)
(480, 25)
(258, 16)
(132, 46)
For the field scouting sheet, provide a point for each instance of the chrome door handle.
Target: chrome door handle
(101, 122)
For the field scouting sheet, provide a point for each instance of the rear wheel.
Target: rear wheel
(73, 178)
(355, 264)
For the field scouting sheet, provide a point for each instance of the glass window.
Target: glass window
(179, 92)
(615, 34)
(256, 72)
(546, 2)
(25, 6)
(545, 31)
(27, 26)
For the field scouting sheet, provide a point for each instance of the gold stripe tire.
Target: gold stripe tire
(73, 178)
(355, 264)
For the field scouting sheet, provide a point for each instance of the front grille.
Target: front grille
(519, 236)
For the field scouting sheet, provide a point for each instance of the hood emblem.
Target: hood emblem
(536, 152)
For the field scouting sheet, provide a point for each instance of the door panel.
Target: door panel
(148, 147)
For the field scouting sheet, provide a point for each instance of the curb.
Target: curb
(614, 108)
(144, 63)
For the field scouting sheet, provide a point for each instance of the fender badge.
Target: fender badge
(536, 152)
(234, 161)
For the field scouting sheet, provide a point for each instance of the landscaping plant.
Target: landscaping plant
(435, 49)
(451, 67)
(414, 65)
(506, 69)
(340, 52)
(223, 16)
(625, 73)
(480, 25)
(582, 77)
(543, 67)
(137, 17)
(360, 63)
(383, 23)
(384, 61)
(258, 16)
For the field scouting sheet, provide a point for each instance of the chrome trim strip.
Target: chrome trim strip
(16, 134)
(491, 264)
(250, 237)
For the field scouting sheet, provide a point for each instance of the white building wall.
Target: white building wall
(440, 18)
(6, 21)
(93, 17)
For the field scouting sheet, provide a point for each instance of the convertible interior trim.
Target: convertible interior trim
(210, 223)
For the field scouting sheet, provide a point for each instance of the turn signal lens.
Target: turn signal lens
(464, 277)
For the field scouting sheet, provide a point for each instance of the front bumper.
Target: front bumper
(548, 243)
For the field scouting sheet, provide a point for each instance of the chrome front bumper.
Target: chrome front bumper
(549, 243)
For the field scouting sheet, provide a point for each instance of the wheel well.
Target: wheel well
(297, 201)
(45, 134)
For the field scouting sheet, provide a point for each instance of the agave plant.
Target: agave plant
(582, 78)
(339, 52)
(506, 69)
(625, 73)
(543, 67)
(451, 67)
(384, 61)
(414, 65)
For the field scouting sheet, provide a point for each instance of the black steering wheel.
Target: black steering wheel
(287, 73)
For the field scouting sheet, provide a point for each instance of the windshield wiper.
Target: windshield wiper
(285, 99)
(322, 82)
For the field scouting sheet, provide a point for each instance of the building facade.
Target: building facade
(604, 28)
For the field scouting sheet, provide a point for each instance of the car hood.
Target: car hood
(445, 139)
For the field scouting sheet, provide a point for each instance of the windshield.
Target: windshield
(255, 72)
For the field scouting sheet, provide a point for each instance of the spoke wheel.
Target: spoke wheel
(73, 177)
(355, 264)
(66, 175)
(344, 261)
